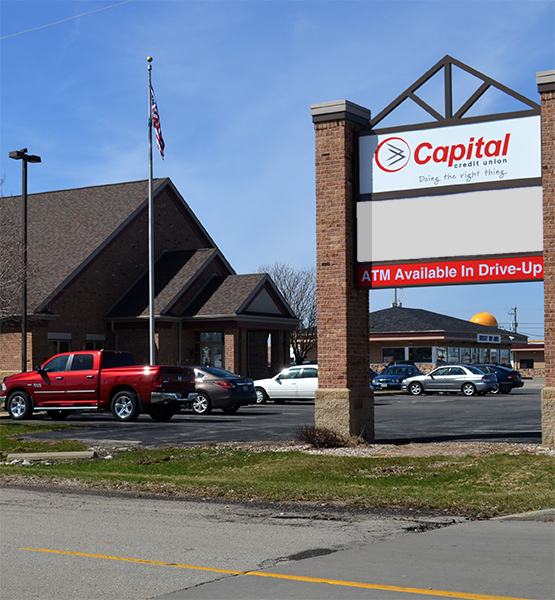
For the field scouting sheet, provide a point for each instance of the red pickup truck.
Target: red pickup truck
(99, 380)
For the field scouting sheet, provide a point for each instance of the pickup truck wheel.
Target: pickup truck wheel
(162, 412)
(202, 404)
(126, 406)
(19, 406)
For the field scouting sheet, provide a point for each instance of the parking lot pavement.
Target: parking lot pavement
(500, 559)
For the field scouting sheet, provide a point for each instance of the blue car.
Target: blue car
(392, 377)
(507, 378)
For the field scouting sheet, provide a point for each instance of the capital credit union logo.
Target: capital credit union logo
(392, 154)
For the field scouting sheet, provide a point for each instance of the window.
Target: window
(441, 371)
(95, 341)
(421, 355)
(209, 349)
(212, 336)
(82, 362)
(58, 343)
(56, 364)
(441, 355)
(526, 363)
(453, 355)
(310, 372)
(290, 374)
(392, 355)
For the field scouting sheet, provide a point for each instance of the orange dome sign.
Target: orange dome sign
(485, 318)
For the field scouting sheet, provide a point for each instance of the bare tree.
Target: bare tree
(298, 287)
(11, 264)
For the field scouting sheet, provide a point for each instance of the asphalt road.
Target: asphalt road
(400, 418)
(57, 545)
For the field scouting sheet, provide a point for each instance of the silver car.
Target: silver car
(452, 378)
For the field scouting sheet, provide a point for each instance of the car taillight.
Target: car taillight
(226, 385)
(157, 382)
(512, 375)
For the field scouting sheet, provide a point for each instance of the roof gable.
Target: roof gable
(68, 229)
(175, 276)
(234, 295)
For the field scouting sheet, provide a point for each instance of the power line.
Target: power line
(65, 20)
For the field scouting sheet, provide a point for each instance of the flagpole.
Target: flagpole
(151, 322)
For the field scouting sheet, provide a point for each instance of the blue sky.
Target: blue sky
(234, 82)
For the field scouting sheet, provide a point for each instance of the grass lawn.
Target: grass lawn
(472, 485)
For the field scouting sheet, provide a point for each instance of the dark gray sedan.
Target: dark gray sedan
(217, 388)
(452, 378)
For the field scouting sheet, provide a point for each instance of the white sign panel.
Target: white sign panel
(478, 153)
(481, 223)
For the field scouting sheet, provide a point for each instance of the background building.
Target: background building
(88, 284)
(429, 339)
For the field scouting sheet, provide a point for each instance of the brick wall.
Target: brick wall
(343, 310)
(548, 182)
(546, 87)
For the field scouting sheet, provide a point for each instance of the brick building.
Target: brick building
(88, 284)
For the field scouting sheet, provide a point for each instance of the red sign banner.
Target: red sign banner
(455, 272)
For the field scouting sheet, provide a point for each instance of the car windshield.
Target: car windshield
(396, 371)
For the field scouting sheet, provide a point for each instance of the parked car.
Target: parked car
(98, 380)
(217, 388)
(507, 378)
(466, 378)
(392, 377)
(295, 383)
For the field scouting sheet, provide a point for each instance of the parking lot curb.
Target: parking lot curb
(547, 516)
(51, 455)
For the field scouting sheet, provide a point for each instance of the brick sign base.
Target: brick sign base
(546, 88)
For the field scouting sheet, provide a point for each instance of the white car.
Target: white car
(295, 383)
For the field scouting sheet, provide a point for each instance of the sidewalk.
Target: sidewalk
(510, 557)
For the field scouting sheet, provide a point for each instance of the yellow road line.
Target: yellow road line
(357, 584)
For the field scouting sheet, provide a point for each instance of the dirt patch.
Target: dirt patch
(391, 450)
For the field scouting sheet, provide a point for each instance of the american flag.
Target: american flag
(156, 122)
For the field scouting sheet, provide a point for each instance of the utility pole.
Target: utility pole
(515, 323)
(396, 303)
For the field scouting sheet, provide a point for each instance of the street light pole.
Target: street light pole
(25, 158)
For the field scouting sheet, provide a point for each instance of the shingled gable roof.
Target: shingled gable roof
(398, 320)
(240, 295)
(175, 273)
(67, 229)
